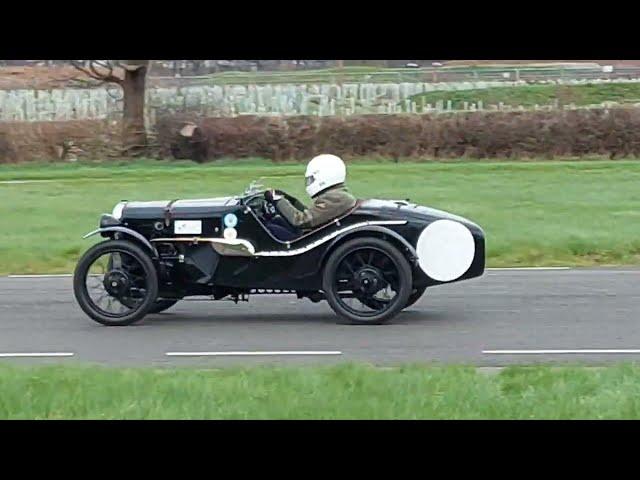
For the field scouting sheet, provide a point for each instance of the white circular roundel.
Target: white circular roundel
(230, 233)
(445, 250)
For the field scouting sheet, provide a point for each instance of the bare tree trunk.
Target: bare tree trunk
(131, 75)
(340, 65)
(134, 135)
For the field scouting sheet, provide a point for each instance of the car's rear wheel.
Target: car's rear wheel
(367, 281)
(413, 298)
(115, 283)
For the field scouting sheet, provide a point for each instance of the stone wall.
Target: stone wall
(311, 99)
(235, 100)
(56, 105)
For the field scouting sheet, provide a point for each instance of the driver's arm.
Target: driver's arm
(317, 214)
(295, 202)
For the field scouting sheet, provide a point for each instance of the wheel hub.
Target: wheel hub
(369, 280)
(116, 283)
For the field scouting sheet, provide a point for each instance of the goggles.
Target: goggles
(309, 180)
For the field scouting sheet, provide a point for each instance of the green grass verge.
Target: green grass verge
(530, 95)
(533, 213)
(338, 392)
(369, 73)
(346, 74)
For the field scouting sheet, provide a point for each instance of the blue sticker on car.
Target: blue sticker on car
(230, 220)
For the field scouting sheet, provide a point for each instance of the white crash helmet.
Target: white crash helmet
(324, 171)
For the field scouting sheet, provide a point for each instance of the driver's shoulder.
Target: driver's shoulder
(338, 195)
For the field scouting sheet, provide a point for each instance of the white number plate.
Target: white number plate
(187, 226)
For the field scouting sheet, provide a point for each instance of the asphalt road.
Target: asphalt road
(456, 323)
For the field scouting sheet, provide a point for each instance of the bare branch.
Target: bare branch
(86, 82)
(104, 63)
(92, 70)
(78, 66)
(93, 66)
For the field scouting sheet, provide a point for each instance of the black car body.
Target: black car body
(221, 247)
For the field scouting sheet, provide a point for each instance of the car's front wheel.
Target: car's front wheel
(367, 281)
(115, 283)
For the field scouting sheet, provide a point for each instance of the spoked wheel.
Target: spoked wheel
(367, 281)
(413, 298)
(115, 283)
(160, 305)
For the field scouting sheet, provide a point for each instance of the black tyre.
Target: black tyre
(115, 283)
(415, 296)
(161, 305)
(367, 281)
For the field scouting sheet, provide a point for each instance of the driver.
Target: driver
(325, 177)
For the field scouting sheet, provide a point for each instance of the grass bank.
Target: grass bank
(339, 392)
(533, 213)
(531, 95)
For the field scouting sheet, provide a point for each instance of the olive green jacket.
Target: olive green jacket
(327, 205)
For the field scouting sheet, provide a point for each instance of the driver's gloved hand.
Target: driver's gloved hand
(271, 196)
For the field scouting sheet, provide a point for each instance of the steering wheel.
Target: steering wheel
(269, 210)
(262, 207)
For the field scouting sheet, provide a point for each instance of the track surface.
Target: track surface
(503, 310)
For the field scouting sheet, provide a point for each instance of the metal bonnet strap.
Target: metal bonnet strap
(167, 212)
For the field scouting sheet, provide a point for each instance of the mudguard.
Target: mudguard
(127, 231)
(372, 228)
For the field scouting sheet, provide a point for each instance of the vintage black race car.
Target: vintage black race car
(369, 264)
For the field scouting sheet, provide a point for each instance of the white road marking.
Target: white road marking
(560, 352)
(526, 268)
(231, 354)
(604, 270)
(58, 275)
(49, 354)
(17, 182)
(489, 370)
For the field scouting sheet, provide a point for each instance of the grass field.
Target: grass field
(533, 213)
(370, 73)
(337, 392)
(530, 95)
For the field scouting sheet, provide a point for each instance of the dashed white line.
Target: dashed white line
(37, 354)
(525, 268)
(561, 352)
(17, 182)
(57, 275)
(243, 354)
